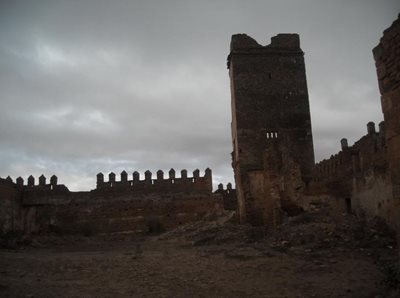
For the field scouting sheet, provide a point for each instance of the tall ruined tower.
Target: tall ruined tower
(273, 153)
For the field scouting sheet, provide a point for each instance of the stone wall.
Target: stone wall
(158, 185)
(10, 202)
(125, 206)
(270, 124)
(365, 178)
(387, 60)
(357, 179)
(228, 196)
(92, 212)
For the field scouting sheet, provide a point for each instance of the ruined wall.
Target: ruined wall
(357, 179)
(158, 185)
(91, 212)
(387, 60)
(270, 121)
(228, 196)
(10, 212)
(129, 206)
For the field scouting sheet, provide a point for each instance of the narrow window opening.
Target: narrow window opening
(270, 76)
(348, 205)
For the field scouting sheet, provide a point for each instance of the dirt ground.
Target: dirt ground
(311, 255)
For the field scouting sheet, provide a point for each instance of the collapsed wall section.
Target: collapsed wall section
(357, 178)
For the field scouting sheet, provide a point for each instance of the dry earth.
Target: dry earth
(312, 255)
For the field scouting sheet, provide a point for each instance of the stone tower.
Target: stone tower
(273, 153)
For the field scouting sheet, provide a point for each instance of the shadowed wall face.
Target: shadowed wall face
(270, 109)
(116, 205)
(387, 60)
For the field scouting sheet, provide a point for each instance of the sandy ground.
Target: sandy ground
(212, 259)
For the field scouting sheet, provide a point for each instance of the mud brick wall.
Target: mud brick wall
(269, 105)
(127, 206)
(357, 179)
(228, 196)
(365, 178)
(93, 212)
(387, 60)
(10, 212)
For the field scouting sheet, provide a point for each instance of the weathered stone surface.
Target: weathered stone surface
(114, 206)
(387, 60)
(10, 208)
(365, 178)
(270, 113)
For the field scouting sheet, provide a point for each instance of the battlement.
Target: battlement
(159, 184)
(117, 205)
(42, 185)
(368, 152)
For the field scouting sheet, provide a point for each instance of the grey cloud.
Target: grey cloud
(92, 86)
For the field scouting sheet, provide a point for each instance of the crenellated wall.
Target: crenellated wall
(357, 178)
(159, 184)
(365, 178)
(129, 206)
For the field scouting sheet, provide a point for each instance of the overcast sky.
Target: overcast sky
(98, 86)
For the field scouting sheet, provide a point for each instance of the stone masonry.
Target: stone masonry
(273, 153)
(117, 205)
(387, 60)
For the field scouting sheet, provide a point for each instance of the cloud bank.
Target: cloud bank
(100, 86)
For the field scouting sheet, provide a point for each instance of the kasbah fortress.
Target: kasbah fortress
(272, 158)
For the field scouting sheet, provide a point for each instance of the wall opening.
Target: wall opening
(271, 135)
(348, 205)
